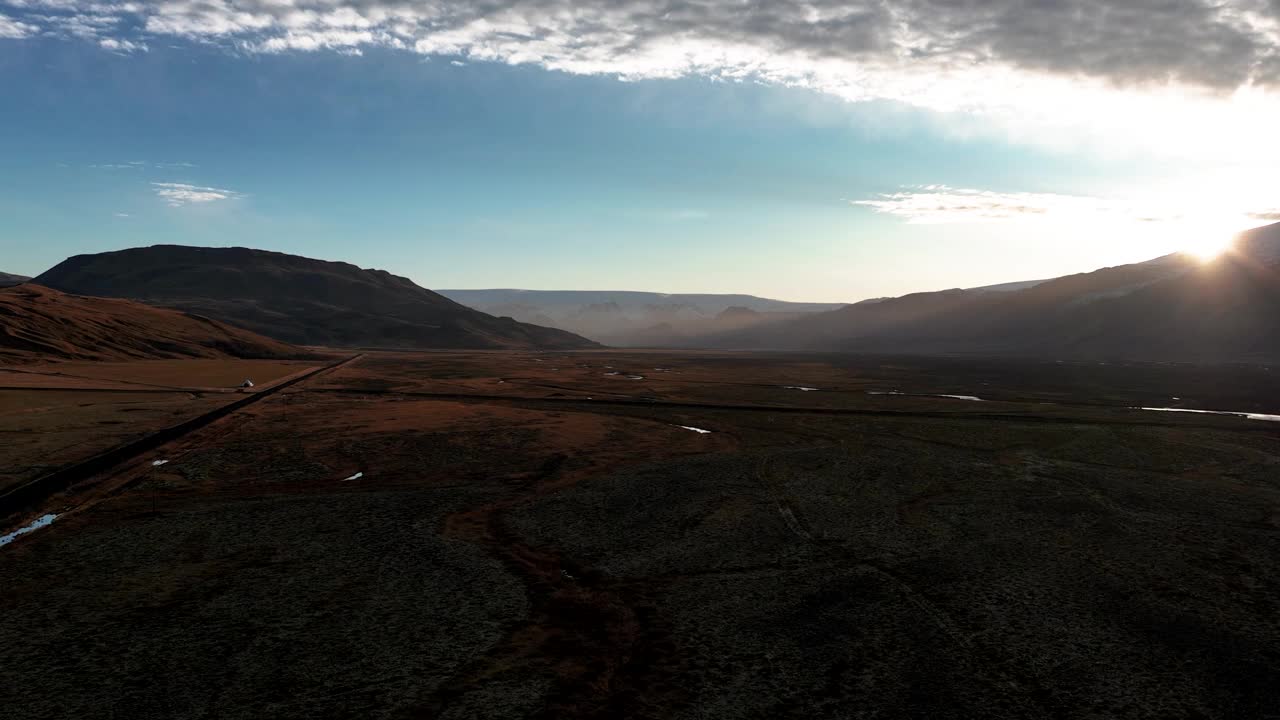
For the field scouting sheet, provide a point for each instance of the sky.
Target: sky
(830, 150)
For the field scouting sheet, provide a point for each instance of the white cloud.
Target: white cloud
(940, 204)
(1056, 73)
(12, 29)
(143, 165)
(179, 194)
(122, 215)
(1189, 208)
(122, 46)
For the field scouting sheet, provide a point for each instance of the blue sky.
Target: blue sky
(460, 166)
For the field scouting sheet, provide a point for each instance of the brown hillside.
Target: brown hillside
(39, 324)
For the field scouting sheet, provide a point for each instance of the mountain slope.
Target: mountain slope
(1170, 308)
(9, 280)
(39, 324)
(634, 318)
(297, 299)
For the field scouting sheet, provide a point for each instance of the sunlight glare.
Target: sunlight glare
(1209, 246)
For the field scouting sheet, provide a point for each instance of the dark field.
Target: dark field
(532, 536)
(64, 412)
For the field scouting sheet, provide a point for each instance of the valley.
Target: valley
(629, 534)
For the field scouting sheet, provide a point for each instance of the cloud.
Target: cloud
(1154, 72)
(1219, 44)
(12, 29)
(122, 46)
(1195, 208)
(179, 194)
(940, 204)
(143, 165)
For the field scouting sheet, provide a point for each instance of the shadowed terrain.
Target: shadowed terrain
(38, 324)
(1171, 308)
(296, 299)
(8, 280)
(690, 535)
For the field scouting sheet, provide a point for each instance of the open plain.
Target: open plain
(602, 534)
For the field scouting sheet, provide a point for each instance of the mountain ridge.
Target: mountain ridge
(9, 279)
(1171, 307)
(632, 317)
(297, 299)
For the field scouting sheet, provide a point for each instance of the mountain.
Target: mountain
(38, 324)
(1171, 308)
(629, 318)
(297, 299)
(8, 280)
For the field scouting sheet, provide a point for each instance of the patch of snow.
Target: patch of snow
(700, 431)
(963, 397)
(158, 463)
(635, 377)
(1245, 415)
(884, 392)
(42, 521)
(357, 476)
(801, 388)
(615, 372)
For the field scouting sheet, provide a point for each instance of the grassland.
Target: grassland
(499, 535)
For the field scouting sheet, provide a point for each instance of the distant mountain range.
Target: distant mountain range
(9, 280)
(629, 318)
(39, 324)
(1171, 308)
(297, 300)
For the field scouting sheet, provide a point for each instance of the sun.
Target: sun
(1208, 247)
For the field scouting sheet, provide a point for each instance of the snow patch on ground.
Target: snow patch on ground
(974, 398)
(357, 476)
(635, 377)
(801, 388)
(883, 392)
(700, 431)
(158, 463)
(1245, 415)
(42, 521)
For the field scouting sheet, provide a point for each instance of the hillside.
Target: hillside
(296, 299)
(1170, 308)
(39, 324)
(9, 280)
(630, 318)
